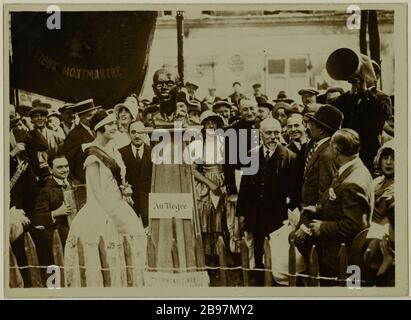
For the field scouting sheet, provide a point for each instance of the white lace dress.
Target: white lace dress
(94, 221)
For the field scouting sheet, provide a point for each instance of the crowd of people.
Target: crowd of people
(331, 155)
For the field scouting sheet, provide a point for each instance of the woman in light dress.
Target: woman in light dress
(107, 215)
(207, 156)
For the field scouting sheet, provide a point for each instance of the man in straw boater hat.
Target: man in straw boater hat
(316, 168)
(42, 142)
(81, 134)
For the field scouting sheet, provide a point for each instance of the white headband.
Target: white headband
(110, 118)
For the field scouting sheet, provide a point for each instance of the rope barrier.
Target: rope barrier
(190, 269)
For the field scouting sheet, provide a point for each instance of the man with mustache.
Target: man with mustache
(67, 118)
(265, 197)
(81, 134)
(137, 159)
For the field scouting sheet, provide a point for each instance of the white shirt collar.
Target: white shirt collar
(135, 149)
(265, 149)
(345, 166)
(66, 128)
(320, 142)
(61, 182)
(87, 128)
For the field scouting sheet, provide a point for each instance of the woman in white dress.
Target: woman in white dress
(107, 214)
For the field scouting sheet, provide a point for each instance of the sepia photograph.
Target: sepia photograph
(205, 150)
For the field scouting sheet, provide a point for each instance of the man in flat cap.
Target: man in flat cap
(264, 110)
(309, 100)
(236, 95)
(210, 98)
(80, 135)
(257, 92)
(42, 142)
(194, 112)
(223, 109)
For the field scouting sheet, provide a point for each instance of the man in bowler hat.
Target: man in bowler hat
(316, 168)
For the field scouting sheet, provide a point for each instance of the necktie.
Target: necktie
(138, 158)
(309, 155)
(267, 155)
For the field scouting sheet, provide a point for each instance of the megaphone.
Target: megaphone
(343, 64)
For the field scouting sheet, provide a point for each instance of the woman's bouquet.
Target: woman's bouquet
(126, 192)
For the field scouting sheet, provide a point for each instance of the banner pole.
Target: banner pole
(180, 45)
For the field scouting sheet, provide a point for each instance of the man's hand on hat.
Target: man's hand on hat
(315, 227)
(299, 236)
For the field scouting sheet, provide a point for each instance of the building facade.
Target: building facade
(284, 50)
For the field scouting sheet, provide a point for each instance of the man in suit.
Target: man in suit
(296, 132)
(50, 211)
(348, 204)
(264, 197)
(317, 167)
(81, 134)
(67, 118)
(236, 96)
(248, 125)
(137, 158)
